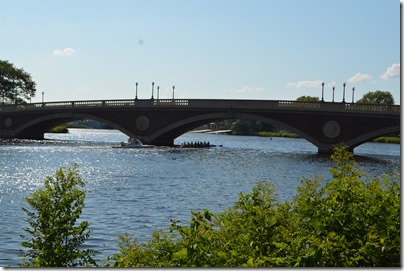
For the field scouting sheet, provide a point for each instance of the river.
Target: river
(137, 191)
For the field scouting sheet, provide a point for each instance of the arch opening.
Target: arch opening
(180, 127)
(36, 128)
(355, 142)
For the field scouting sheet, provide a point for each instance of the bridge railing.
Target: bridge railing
(170, 102)
(202, 103)
(300, 105)
(372, 108)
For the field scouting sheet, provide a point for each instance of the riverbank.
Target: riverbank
(382, 139)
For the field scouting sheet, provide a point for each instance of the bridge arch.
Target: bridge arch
(37, 127)
(178, 128)
(159, 122)
(182, 126)
(354, 142)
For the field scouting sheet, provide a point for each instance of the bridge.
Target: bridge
(160, 121)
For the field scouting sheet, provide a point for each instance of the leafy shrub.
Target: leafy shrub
(56, 239)
(350, 220)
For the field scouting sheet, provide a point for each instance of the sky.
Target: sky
(207, 49)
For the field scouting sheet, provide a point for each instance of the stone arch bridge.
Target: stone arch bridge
(159, 122)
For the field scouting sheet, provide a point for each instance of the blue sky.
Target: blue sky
(208, 49)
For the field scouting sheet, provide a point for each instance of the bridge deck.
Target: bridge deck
(202, 103)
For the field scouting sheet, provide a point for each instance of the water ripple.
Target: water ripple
(137, 191)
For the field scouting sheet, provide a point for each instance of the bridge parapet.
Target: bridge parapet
(202, 103)
(300, 105)
(170, 102)
(373, 108)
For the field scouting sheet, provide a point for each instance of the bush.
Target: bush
(61, 129)
(349, 221)
(56, 239)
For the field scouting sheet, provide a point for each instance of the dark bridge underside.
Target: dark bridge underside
(160, 125)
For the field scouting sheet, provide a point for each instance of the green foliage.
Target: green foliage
(16, 85)
(278, 134)
(387, 139)
(55, 239)
(308, 99)
(245, 127)
(61, 129)
(377, 97)
(347, 221)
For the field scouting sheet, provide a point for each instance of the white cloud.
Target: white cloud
(392, 72)
(65, 52)
(305, 84)
(360, 78)
(246, 89)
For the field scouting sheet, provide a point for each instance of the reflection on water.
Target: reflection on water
(138, 190)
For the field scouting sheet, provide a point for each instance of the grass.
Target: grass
(278, 134)
(387, 139)
(382, 139)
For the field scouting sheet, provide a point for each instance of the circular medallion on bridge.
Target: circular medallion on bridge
(331, 129)
(8, 122)
(142, 123)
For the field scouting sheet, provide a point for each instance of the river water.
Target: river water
(137, 191)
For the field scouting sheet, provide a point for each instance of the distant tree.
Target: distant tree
(16, 85)
(307, 99)
(263, 126)
(55, 239)
(377, 97)
(245, 127)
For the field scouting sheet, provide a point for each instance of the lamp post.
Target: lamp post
(158, 92)
(43, 96)
(152, 90)
(353, 93)
(343, 94)
(333, 89)
(173, 92)
(136, 92)
(322, 91)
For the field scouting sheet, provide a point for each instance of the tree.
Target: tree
(56, 239)
(377, 97)
(308, 99)
(245, 127)
(16, 85)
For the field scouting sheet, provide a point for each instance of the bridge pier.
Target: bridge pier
(328, 150)
(159, 142)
